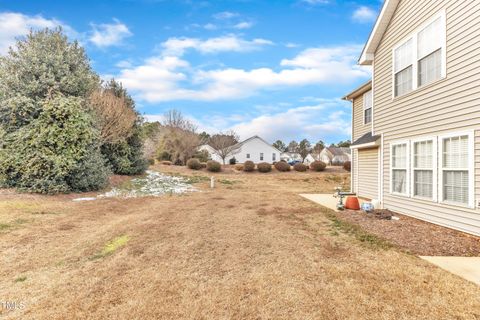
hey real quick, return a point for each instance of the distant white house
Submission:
(254, 149)
(335, 156)
(290, 156)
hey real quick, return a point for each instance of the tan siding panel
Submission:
(359, 129)
(451, 104)
(368, 173)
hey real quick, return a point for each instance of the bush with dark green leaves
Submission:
(56, 152)
(282, 166)
(194, 164)
(300, 167)
(249, 166)
(264, 167)
(318, 166)
(347, 166)
(214, 166)
(232, 161)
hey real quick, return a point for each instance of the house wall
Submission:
(254, 147)
(449, 105)
(358, 128)
(368, 173)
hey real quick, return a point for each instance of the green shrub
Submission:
(318, 166)
(89, 174)
(164, 156)
(151, 161)
(51, 153)
(233, 161)
(126, 157)
(239, 167)
(194, 164)
(214, 166)
(347, 166)
(248, 166)
(300, 167)
(202, 156)
(282, 166)
(264, 167)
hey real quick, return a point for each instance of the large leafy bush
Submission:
(57, 152)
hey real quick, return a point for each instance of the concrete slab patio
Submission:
(326, 200)
(465, 267)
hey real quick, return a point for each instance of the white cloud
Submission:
(243, 25)
(210, 26)
(170, 78)
(315, 2)
(109, 34)
(14, 25)
(364, 15)
(225, 15)
(178, 46)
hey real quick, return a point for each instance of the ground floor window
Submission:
(399, 168)
(248, 155)
(274, 156)
(439, 168)
(455, 169)
(261, 156)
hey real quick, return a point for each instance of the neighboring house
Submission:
(211, 152)
(309, 159)
(416, 125)
(254, 149)
(335, 156)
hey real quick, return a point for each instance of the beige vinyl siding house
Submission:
(426, 110)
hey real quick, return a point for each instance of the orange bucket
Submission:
(352, 203)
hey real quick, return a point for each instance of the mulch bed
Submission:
(415, 236)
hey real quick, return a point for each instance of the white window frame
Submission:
(408, 169)
(435, 156)
(415, 60)
(471, 168)
(365, 107)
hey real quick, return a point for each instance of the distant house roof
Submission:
(366, 139)
(339, 151)
(256, 137)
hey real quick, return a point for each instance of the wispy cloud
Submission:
(232, 43)
(109, 34)
(243, 25)
(14, 25)
(315, 2)
(224, 15)
(364, 14)
(171, 78)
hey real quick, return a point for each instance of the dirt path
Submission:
(250, 249)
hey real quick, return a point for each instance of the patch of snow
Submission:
(85, 199)
(153, 184)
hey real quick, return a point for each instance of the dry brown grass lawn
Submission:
(249, 249)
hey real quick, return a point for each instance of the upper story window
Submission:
(367, 107)
(420, 59)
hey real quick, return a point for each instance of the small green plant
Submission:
(4, 226)
(21, 279)
(248, 166)
(282, 166)
(194, 164)
(112, 246)
(318, 166)
(264, 167)
(300, 167)
(232, 161)
(214, 166)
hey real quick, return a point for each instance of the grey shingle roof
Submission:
(366, 138)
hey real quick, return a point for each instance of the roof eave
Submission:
(383, 20)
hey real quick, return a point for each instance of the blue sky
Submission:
(273, 68)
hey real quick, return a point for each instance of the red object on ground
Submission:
(352, 203)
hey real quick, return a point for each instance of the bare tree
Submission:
(180, 139)
(115, 116)
(225, 144)
(304, 148)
